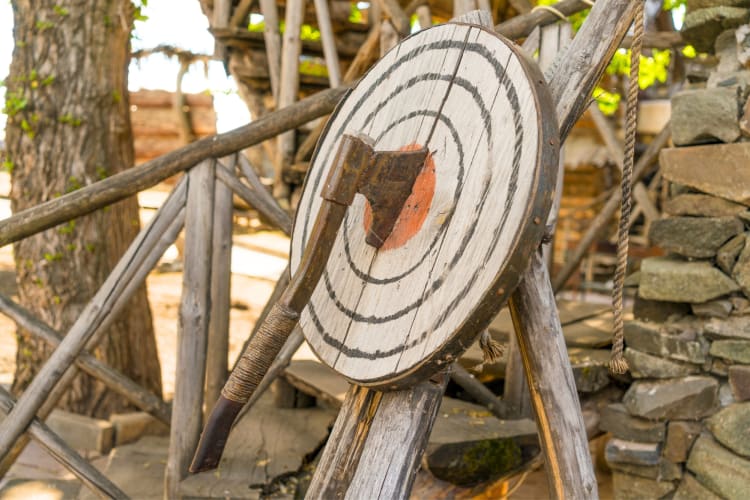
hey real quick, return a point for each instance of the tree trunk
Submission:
(68, 118)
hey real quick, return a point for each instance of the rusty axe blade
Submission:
(386, 179)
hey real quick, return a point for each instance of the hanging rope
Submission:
(617, 362)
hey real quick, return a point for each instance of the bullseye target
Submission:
(390, 317)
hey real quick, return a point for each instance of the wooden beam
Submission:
(329, 43)
(272, 39)
(187, 408)
(377, 442)
(112, 189)
(239, 16)
(553, 393)
(256, 199)
(477, 390)
(65, 455)
(110, 377)
(521, 26)
(288, 89)
(217, 368)
(392, 11)
(129, 274)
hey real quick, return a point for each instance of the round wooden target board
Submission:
(392, 317)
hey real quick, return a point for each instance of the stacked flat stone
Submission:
(682, 429)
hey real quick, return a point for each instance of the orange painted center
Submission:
(415, 209)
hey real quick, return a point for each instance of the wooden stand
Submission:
(538, 333)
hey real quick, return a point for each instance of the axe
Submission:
(386, 179)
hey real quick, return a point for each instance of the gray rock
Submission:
(719, 367)
(703, 26)
(741, 270)
(695, 237)
(656, 310)
(632, 280)
(726, 398)
(731, 427)
(649, 339)
(643, 365)
(630, 487)
(590, 368)
(719, 308)
(691, 489)
(689, 397)
(632, 452)
(745, 118)
(733, 350)
(720, 470)
(740, 305)
(705, 115)
(702, 205)
(616, 420)
(739, 381)
(662, 471)
(674, 280)
(680, 438)
(710, 169)
(732, 328)
(742, 37)
(725, 48)
(726, 256)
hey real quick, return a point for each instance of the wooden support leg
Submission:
(68, 457)
(377, 442)
(111, 298)
(553, 391)
(187, 410)
(217, 367)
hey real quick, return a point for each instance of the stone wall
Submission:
(682, 429)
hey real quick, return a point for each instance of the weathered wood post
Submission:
(217, 362)
(192, 335)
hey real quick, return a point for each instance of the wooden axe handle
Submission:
(244, 379)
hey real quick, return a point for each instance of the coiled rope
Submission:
(617, 362)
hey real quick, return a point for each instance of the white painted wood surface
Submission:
(394, 308)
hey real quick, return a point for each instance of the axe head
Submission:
(385, 178)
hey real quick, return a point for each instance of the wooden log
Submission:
(329, 43)
(110, 377)
(239, 16)
(187, 408)
(220, 19)
(217, 368)
(272, 39)
(288, 89)
(388, 36)
(131, 181)
(49, 405)
(477, 390)
(377, 442)
(262, 201)
(424, 16)
(598, 226)
(521, 26)
(113, 295)
(65, 455)
(392, 11)
(366, 57)
(522, 6)
(586, 58)
(282, 216)
(553, 393)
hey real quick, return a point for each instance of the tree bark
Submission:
(69, 126)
